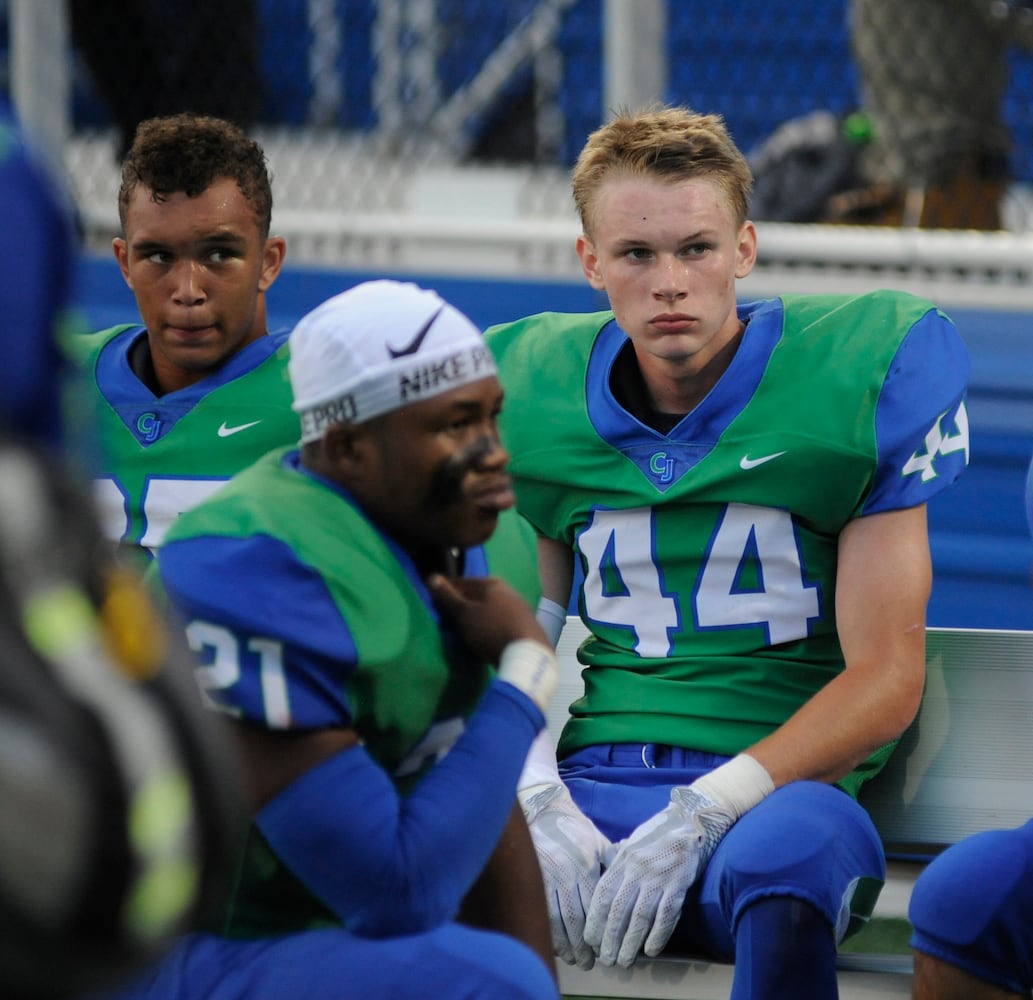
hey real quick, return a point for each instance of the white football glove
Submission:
(644, 888)
(571, 852)
(640, 897)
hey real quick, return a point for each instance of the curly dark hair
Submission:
(189, 153)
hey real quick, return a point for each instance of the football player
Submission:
(199, 388)
(742, 490)
(338, 600)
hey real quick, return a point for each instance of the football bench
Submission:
(964, 765)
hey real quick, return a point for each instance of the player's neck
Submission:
(676, 389)
(142, 365)
(164, 378)
(437, 559)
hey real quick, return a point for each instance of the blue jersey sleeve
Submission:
(271, 643)
(388, 865)
(921, 423)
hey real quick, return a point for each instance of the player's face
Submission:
(440, 469)
(668, 253)
(198, 268)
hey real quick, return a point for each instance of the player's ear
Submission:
(590, 262)
(348, 450)
(746, 250)
(272, 261)
(121, 251)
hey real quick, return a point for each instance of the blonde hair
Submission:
(672, 143)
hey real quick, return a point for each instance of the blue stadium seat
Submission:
(284, 42)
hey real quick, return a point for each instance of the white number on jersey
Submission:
(761, 538)
(163, 501)
(624, 581)
(937, 442)
(224, 670)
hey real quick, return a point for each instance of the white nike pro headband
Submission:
(377, 347)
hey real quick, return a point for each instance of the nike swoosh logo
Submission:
(225, 432)
(751, 463)
(414, 345)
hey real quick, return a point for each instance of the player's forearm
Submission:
(882, 587)
(387, 865)
(843, 724)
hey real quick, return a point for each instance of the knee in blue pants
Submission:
(807, 841)
(973, 907)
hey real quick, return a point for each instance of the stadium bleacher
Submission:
(758, 62)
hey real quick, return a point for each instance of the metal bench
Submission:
(964, 765)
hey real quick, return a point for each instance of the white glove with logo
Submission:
(640, 897)
(571, 852)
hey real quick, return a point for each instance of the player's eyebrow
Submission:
(693, 237)
(223, 238)
(464, 407)
(472, 408)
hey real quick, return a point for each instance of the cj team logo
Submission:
(939, 442)
(662, 467)
(148, 426)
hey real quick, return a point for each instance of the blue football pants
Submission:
(451, 962)
(973, 907)
(791, 879)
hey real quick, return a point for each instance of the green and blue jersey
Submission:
(303, 616)
(157, 456)
(709, 554)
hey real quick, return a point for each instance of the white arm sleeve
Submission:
(552, 617)
(540, 766)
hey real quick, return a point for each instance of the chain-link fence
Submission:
(854, 111)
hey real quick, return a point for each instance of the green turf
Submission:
(882, 936)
